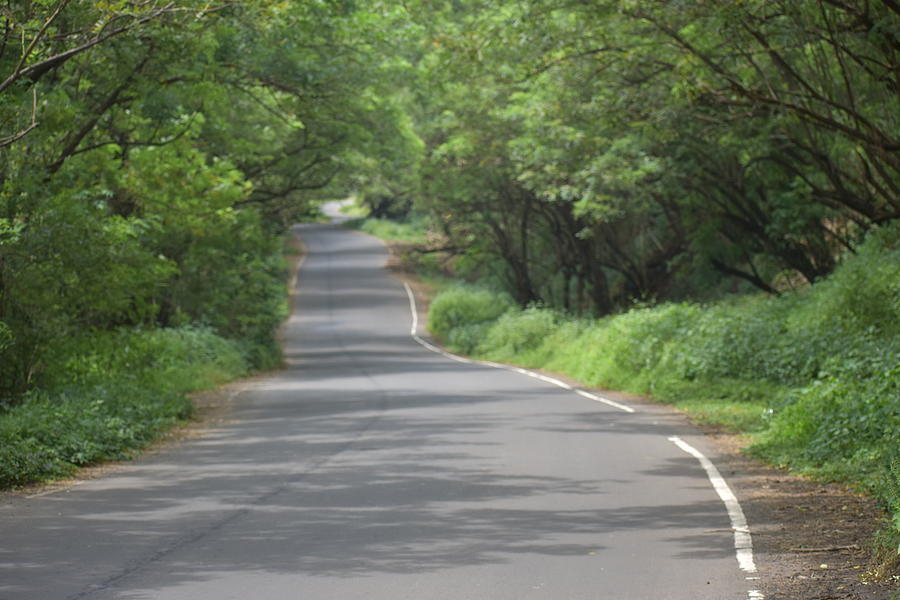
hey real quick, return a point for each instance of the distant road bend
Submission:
(373, 468)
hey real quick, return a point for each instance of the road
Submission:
(372, 467)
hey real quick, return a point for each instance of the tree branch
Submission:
(20, 66)
(18, 136)
(38, 69)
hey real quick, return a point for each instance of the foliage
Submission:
(461, 315)
(391, 230)
(152, 155)
(892, 489)
(514, 332)
(49, 436)
(182, 359)
(105, 396)
(617, 152)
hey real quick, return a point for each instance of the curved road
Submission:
(372, 468)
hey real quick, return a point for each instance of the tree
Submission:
(156, 153)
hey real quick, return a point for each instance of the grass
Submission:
(108, 395)
(412, 232)
(353, 209)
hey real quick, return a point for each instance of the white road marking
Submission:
(597, 398)
(743, 544)
(414, 332)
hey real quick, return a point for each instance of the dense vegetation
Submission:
(596, 154)
(579, 158)
(110, 393)
(152, 155)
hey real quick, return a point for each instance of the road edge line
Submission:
(743, 542)
(414, 333)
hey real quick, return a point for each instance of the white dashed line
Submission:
(597, 398)
(414, 332)
(742, 542)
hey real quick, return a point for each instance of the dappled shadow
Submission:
(369, 456)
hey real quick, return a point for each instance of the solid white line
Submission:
(743, 544)
(604, 400)
(414, 332)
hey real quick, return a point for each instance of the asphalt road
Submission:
(374, 468)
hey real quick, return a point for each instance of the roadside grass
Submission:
(413, 244)
(812, 377)
(108, 395)
(412, 232)
(105, 395)
(353, 209)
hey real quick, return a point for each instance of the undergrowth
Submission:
(96, 393)
(106, 395)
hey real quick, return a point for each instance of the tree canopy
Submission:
(584, 155)
(612, 152)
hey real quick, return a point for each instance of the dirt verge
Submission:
(812, 540)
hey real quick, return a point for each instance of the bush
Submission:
(180, 359)
(413, 231)
(892, 493)
(6, 336)
(107, 394)
(49, 435)
(519, 331)
(460, 315)
(233, 280)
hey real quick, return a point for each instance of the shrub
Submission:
(465, 307)
(413, 231)
(848, 427)
(892, 493)
(6, 336)
(48, 436)
(181, 359)
(108, 394)
(519, 331)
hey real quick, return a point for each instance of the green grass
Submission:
(352, 209)
(412, 232)
(106, 395)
